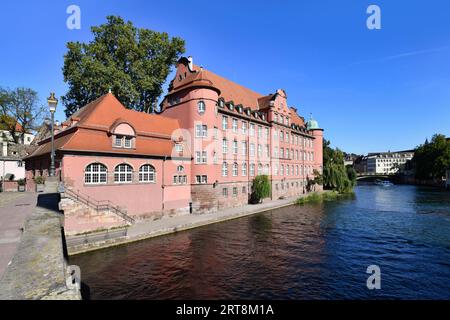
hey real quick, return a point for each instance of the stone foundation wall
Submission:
(79, 218)
(207, 199)
(290, 188)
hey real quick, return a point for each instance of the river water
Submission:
(317, 251)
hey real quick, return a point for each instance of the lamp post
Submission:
(52, 103)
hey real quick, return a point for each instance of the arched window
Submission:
(201, 107)
(146, 173)
(180, 169)
(123, 173)
(95, 173)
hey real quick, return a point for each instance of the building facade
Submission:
(12, 167)
(388, 162)
(199, 154)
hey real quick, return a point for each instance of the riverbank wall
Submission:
(38, 270)
(83, 243)
(411, 180)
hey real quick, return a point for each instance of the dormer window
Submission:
(221, 103)
(123, 141)
(124, 136)
(248, 112)
(231, 106)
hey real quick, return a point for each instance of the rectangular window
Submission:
(203, 179)
(235, 125)
(252, 149)
(244, 127)
(244, 190)
(235, 192)
(201, 157)
(259, 131)
(224, 146)
(178, 147)
(225, 192)
(224, 122)
(198, 131)
(252, 129)
(235, 147)
(259, 150)
(118, 141)
(128, 142)
(244, 169)
(244, 148)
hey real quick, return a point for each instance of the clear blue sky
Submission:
(371, 90)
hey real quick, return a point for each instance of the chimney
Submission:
(4, 149)
(191, 63)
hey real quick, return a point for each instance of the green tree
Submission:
(432, 158)
(20, 112)
(133, 62)
(261, 189)
(335, 175)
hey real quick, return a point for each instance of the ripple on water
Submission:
(310, 252)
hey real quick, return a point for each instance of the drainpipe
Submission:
(162, 183)
(271, 163)
(248, 160)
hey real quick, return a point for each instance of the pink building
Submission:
(199, 154)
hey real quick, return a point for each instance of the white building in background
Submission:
(388, 162)
(11, 165)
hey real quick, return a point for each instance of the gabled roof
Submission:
(90, 131)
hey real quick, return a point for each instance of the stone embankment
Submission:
(38, 270)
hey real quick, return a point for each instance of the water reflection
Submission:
(311, 252)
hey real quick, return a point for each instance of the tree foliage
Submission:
(432, 158)
(133, 62)
(20, 111)
(261, 188)
(335, 175)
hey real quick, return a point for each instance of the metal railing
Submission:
(102, 205)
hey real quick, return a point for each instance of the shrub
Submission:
(21, 182)
(260, 189)
(39, 180)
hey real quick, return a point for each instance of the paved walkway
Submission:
(166, 225)
(15, 207)
(194, 220)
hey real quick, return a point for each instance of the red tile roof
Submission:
(229, 90)
(91, 131)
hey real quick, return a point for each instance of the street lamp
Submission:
(52, 103)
